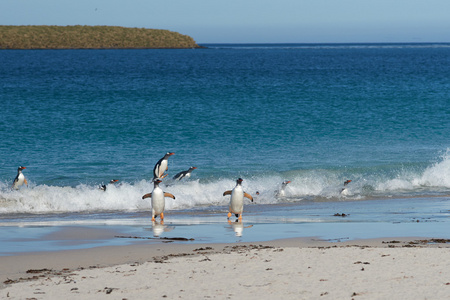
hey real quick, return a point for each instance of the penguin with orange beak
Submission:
(162, 166)
(20, 179)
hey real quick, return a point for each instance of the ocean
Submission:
(314, 114)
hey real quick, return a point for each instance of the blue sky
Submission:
(250, 21)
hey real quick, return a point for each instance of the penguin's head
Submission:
(169, 154)
(157, 181)
(192, 168)
(347, 182)
(239, 181)
(114, 180)
(21, 168)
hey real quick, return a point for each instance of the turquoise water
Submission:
(377, 114)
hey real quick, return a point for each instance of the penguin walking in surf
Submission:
(158, 200)
(103, 186)
(20, 179)
(161, 166)
(237, 199)
(184, 174)
(281, 192)
(344, 190)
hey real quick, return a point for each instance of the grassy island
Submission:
(91, 37)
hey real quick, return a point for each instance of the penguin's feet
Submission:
(162, 216)
(153, 218)
(240, 217)
(163, 176)
(229, 215)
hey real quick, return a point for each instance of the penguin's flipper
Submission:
(169, 195)
(147, 195)
(248, 196)
(227, 193)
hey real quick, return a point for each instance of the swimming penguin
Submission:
(20, 179)
(158, 201)
(103, 186)
(184, 174)
(344, 190)
(281, 192)
(237, 199)
(161, 166)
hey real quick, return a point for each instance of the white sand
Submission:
(249, 272)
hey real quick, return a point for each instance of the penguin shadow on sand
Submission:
(238, 227)
(158, 228)
(236, 206)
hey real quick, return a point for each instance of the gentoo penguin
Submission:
(158, 201)
(20, 179)
(281, 192)
(344, 190)
(161, 166)
(103, 186)
(237, 199)
(184, 174)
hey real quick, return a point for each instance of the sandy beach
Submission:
(307, 268)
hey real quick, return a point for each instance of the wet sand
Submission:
(307, 268)
(370, 250)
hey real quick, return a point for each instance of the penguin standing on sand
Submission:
(158, 200)
(184, 174)
(103, 186)
(282, 192)
(344, 190)
(237, 199)
(20, 179)
(161, 166)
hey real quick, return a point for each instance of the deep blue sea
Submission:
(314, 114)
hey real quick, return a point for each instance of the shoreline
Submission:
(23, 273)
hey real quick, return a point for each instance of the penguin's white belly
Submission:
(162, 168)
(158, 201)
(237, 201)
(20, 181)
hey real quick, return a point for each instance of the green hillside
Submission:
(90, 37)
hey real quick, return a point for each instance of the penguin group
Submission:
(236, 204)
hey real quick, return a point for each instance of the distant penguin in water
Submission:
(158, 200)
(237, 199)
(161, 166)
(184, 174)
(103, 186)
(20, 179)
(281, 192)
(344, 190)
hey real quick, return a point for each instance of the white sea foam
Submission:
(305, 184)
